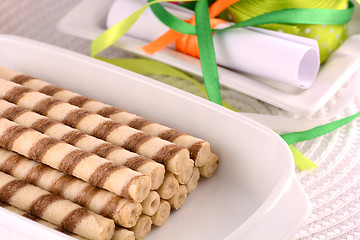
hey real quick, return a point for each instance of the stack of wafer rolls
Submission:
(94, 148)
(110, 151)
(74, 161)
(198, 148)
(171, 155)
(123, 211)
(54, 209)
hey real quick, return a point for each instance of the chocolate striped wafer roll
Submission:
(123, 211)
(169, 186)
(162, 214)
(178, 200)
(185, 176)
(110, 151)
(151, 204)
(142, 227)
(39, 220)
(192, 184)
(54, 209)
(171, 155)
(198, 148)
(74, 161)
(123, 234)
(210, 167)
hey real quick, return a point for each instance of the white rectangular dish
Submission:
(254, 194)
(87, 20)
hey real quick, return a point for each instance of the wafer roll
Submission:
(151, 204)
(142, 227)
(186, 175)
(192, 184)
(123, 211)
(54, 209)
(74, 161)
(162, 214)
(210, 167)
(178, 200)
(169, 186)
(171, 155)
(27, 118)
(39, 220)
(198, 148)
(123, 234)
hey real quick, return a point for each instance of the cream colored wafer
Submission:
(27, 118)
(210, 167)
(123, 211)
(151, 204)
(169, 186)
(186, 175)
(192, 184)
(74, 161)
(162, 214)
(142, 227)
(123, 234)
(39, 220)
(199, 149)
(171, 155)
(54, 209)
(178, 200)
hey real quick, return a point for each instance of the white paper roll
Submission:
(277, 56)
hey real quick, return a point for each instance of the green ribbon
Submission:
(286, 16)
(294, 137)
(302, 162)
(207, 51)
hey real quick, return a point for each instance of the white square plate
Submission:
(87, 20)
(253, 195)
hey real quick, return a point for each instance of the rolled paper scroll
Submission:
(210, 168)
(74, 161)
(171, 155)
(151, 203)
(198, 148)
(39, 220)
(277, 57)
(123, 211)
(27, 118)
(54, 209)
(178, 199)
(169, 186)
(142, 227)
(162, 214)
(192, 184)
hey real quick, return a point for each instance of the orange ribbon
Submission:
(188, 43)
